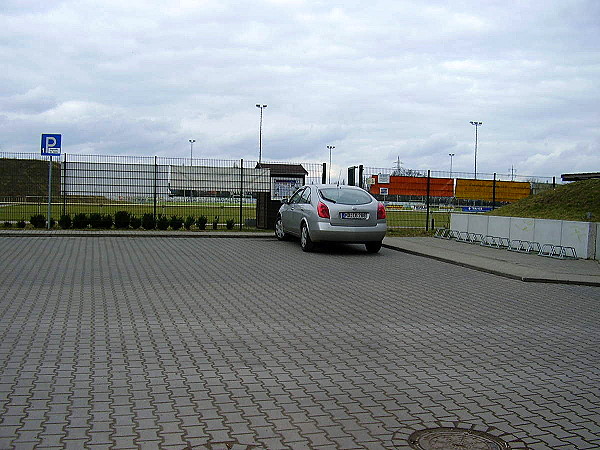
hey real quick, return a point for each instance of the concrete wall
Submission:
(461, 221)
(500, 227)
(521, 228)
(584, 237)
(478, 224)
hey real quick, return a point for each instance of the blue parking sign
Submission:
(51, 144)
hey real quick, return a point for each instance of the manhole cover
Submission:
(455, 439)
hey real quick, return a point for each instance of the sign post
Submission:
(51, 146)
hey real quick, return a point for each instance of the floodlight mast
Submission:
(261, 106)
(330, 147)
(191, 150)
(477, 125)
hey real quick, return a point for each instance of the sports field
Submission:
(225, 210)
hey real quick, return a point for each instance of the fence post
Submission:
(360, 176)
(428, 188)
(241, 191)
(324, 175)
(64, 186)
(494, 193)
(49, 219)
(553, 182)
(155, 181)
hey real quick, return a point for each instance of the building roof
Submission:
(283, 169)
(579, 176)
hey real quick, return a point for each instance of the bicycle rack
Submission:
(546, 250)
(463, 236)
(441, 233)
(488, 241)
(558, 251)
(475, 238)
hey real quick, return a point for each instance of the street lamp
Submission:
(451, 156)
(191, 149)
(260, 132)
(330, 147)
(477, 124)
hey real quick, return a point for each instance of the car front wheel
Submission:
(306, 242)
(279, 233)
(373, 247)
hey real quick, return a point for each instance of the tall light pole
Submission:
(330, 147)
(191, 149)
(451, 156)
(477, 125)
(260, 132)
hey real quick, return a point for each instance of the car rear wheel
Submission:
(373, 247)
(306, 242)
(279, 233)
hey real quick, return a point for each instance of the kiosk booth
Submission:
(285, 179)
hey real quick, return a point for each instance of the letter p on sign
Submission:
(51, 144)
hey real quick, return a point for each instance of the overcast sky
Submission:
(378, 79)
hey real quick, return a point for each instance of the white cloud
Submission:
(377, 80)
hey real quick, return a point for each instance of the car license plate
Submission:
(354, 215)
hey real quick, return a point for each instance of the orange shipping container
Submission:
(398, 185)
(506, 191)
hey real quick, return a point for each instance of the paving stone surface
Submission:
(109, 342)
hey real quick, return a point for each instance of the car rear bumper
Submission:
(323, 231)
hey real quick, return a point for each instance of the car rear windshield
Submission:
(345, 196)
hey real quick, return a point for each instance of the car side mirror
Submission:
(285, 200)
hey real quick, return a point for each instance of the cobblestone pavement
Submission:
(251, 343)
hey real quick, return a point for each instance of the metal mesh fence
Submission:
(425, 198)
(232, 193)
(224, 192)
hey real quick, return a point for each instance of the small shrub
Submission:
(96, 220)
(162, 223)
(21, 223)
(135, 222)
(52, 222)
(176, 222)
(106, 222)
(215, 222)
(148, 222)
(122, 219)
(81, 220)
(38, 221)
(230, 224)
(7, 224)
(189, 221)
(65, 221)
(201, 222)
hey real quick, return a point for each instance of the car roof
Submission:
(341, 186)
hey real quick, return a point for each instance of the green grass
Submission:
(571, 201)
(416, 219)
(224, 211)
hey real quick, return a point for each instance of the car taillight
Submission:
(380, 211)
(323, 210)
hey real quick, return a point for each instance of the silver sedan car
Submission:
(331, 213)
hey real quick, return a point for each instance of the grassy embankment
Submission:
(573, 201)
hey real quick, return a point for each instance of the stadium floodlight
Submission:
(330, 147)
(191, 149)
(260, 131)
(477, 125)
